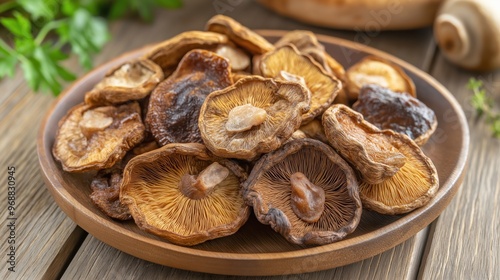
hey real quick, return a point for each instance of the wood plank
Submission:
(465, 242)
(416, 47)
(41, 229)
(109, 263)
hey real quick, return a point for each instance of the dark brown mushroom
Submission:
(130, 81)
(402, 113)
(306, 192)
(251, 117)
(175, 103)
(94, 138)
(182, 193)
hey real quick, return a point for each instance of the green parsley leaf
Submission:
(8, 60)
(40, 9)
(483, 104)
(19, 26)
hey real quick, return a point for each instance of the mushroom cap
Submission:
(175, 103)
(268, 190)
(132, 80)
(307, 43)
(239, 34)
(169, 53)
(375, 70)
(94, 138)
(106, 193)
(323, 86)
(402, 113)
(410, 188)
(283, 101)
(150, 188)
(370, 150)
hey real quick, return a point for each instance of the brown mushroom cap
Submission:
(323, 86)
(269, 189)
(169, 53)
(283, 102)
(402, 113)
(375, 70)
(94, 138)
(130, 81)
(175, 103)
(370, 150)
(239, 34)
(106, 194)
(151, 189)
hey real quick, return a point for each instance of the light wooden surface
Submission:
(461, 244)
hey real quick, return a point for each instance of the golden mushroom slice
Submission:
(239, 34)
(169, 53)
(94, 138)
(373, 152)
(175, 103)
(402, 113)
(323, 86)
(375, 70)
(183, 194)
(254, 116)
(306, 192)
(132, 80)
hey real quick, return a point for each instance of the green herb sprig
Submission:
(484, 105)
(41, 34)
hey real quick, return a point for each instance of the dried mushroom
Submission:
(323, 86)
(130, 81)
(314, 129)
(374, 70)
(94, 138)
(106, 193)
(170, 52)
(371, 151)
(239, 34)
(251, 117)
(306, 192)
(181, 193)
(399, 112)
(307, 43)
(175, 103)
(238, 59)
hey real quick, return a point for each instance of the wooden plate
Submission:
(256, 249)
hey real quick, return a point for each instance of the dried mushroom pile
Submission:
(208, 125)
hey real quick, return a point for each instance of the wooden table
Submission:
(463, 243)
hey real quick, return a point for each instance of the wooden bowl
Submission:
(359, 15)
(256, 249)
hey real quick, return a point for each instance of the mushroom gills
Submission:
(244, 117)
(198, 187)
(307, 199)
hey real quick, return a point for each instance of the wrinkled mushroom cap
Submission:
(323, 86)
(169, 53)
(399, 112)
(283, 103)
(269, 190)
(375, 70)
(367, 148)
(175, 103)
(91, 138)
(239, 34)
(411, 187)
(151, 190)
(130, 81)
(106, 194)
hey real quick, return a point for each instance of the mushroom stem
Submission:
(94, 121)
(198, 187)
(244, 117)
(308, 200)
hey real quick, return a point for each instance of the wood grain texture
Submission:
(42, 229)
(466, 237)
(109, 263)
